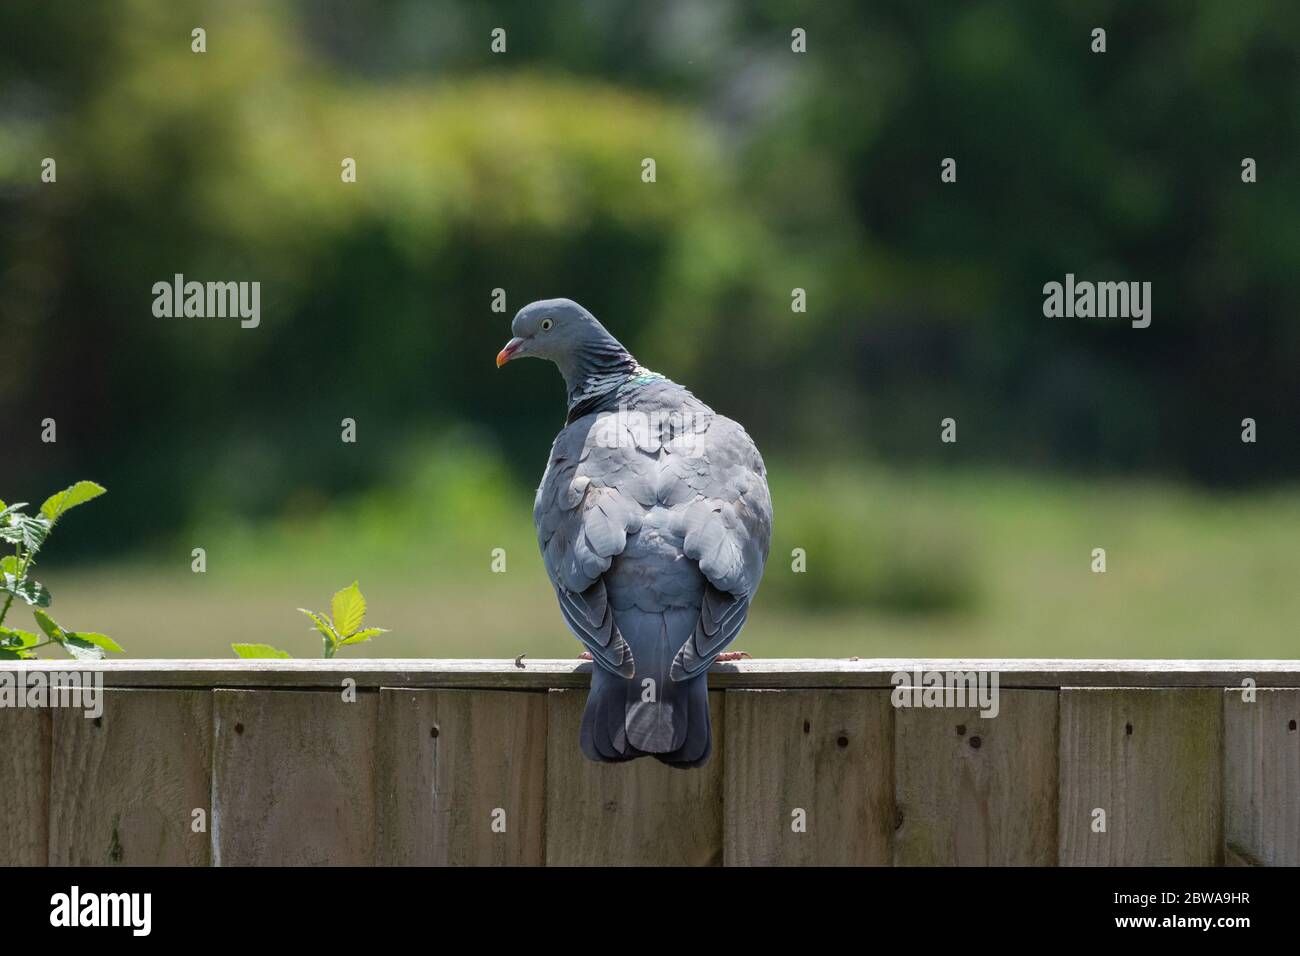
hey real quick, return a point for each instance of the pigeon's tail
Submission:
(691, 711)
(651, 714)
(604, 735)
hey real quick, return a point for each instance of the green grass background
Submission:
(899, 563)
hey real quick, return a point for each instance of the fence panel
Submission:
(293, 777)
(1261, 777)
(1151, 762)
(25, 783)
(809, 777)
(978, 791)
(125, 786)
(477, 762)
(462, 777)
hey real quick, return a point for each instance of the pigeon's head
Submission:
(558, 330)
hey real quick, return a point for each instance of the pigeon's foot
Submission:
(734, 656)
(585, 656)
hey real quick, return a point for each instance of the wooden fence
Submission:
(477, 762)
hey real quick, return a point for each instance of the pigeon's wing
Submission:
(602, 479)
(725, 520)
(593, 495)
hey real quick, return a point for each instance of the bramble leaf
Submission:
(49, 626)
(30, 532)
(322, 624)
(14, 637)
(251, 651)
(362, 636)
(99, 640)
(33, 592)
(82, 650)
(34, 531)
(349, 610)
(59, 503)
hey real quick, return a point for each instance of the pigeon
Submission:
(654, 521)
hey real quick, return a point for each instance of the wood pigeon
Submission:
(654, 522)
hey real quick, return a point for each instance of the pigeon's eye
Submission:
(546, 325)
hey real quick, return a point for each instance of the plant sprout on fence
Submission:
(28, 534)
(340, 628)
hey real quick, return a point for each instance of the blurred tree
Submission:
(776, 170)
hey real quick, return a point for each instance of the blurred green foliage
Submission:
(522, 171)
(869, 546)
(1190, 573)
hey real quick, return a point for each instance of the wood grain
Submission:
(1152, 760)
(977, 791)
(293, 778)
(641, 813)
(25, 781)
(461, 777)
(1261, 777)
(829, 754)
(124, 786)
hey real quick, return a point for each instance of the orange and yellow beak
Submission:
(507, 353)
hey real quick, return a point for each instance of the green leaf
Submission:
(33, 592)
(349, 610)
(75, 644)
(362, 636)
(20, 655)
(34, 532)
(49, 626)
(259, 651)
(59, 503)
(10, 564)
(82, 650)
(99, 640)
(322, 624)
(14, 637)
(27, 531)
